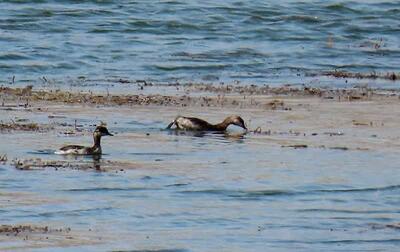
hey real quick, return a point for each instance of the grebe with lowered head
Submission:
(192, 123)
(82, 150)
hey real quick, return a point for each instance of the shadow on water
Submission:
(96, 159)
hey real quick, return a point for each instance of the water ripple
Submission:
(271, 193)
(109, 189)
(153, 35)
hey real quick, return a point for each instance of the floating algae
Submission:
(13, 126)
(95, 164)
(18, 229)
(343, 74)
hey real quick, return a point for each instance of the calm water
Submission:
(249, 41)
(205, 193)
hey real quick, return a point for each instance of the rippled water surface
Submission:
(198, 192)
(249, 41)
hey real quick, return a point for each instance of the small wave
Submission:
(341, 7)
(78, 212)
(6, 66)
(241, 193)
(84, 12)
(154, 154)
(37, 66)
(357, 241)
(22, 26)
(347, 211)
(342, 241)
(13, 56)
(58, 29)
(73, 13)
(395, 11)
(68, 65)
(96, 2)
(108, 189)
(368, 189)
(177, 185)
(142, 23)
(153, 250)
(248, 52)
(263, 193)
(302, 18)
(191, 67)
(31, 13)
(178, 25)
(101, 30)
(24, 1)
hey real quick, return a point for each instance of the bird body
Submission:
(79, 150)
(197, 124)
(82, 150)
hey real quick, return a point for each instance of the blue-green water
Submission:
(213, 41)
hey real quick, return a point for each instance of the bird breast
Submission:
(71, 151)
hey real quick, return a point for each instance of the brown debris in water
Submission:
(339, 148)
(219, 99)
(95, 164)
(296, 146)
(18, 229)
(277, 105)
(90, 98)
(339, 133)
(3, 158)
(34, 164)
(394, 225)
(383, 226)
(259, 131)
(358, 123)
(343, 74)
(13, 126)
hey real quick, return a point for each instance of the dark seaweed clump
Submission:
(14, 126)
(343, 74)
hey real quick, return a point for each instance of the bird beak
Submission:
(109, 134)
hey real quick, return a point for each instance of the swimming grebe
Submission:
(82, 150)
(192, 123)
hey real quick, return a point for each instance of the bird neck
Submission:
(97, 140)
(223, 125)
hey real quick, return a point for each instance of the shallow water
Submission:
(248, 41)
(209, 192)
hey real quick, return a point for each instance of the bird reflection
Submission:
(226, 135)
(95, 160)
